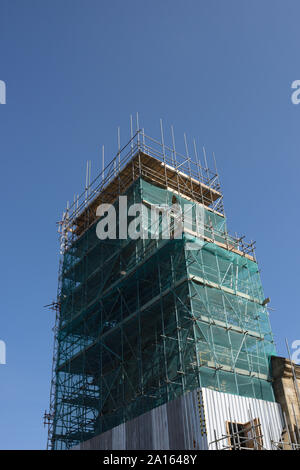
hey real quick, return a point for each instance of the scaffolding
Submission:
(142, 321)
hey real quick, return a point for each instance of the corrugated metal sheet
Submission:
(119, 437)
(223, 407)
(192, 421)
(159, 426)
(139, 432)
(175, 426)
(194, 427)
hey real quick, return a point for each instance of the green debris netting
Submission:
(144, 321)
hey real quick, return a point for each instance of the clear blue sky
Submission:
(75, 70)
